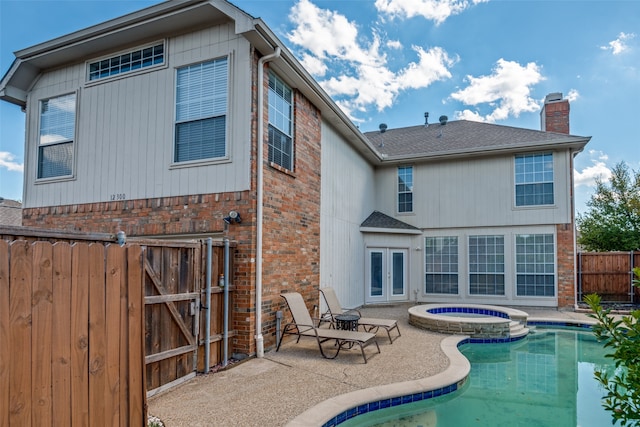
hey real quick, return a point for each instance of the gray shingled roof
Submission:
(380, 220)
(10, 212)
(463, 136)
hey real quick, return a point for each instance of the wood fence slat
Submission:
(113, 290)
(136, 340)
(97, 336)
(5, 334)
(42, 317)
(20, 327)
(80, 334)
(61, 335)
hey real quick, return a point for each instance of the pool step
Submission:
(517, 329)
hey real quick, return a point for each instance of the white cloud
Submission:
(433, 10)
(394, 44)
(619, 45)
(359, 74)
(573, 95)
(8, 161)
(313, 65)
(598, 170)
(329, 34)
(507, 91)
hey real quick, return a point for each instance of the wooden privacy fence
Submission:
(71, 334)
(609, 274)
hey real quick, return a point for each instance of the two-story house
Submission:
(161, 122)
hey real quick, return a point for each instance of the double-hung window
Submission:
(441, 265)
(534, 179)
(486, 265)
(201, 111)
(535, 267)
(405, 189)
(57, 135)
(280, 123)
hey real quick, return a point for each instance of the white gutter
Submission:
(260, 196)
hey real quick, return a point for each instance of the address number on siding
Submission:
(119, 196)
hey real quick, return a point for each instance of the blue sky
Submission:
(389, 61)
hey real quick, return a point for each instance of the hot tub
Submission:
(487, 323)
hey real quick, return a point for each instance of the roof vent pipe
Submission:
(443, 120)
(382, 127)
(426, 119)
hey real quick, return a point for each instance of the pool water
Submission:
(545, 380)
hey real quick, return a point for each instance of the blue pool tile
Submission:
(417, 397)
(363, 409)
(396, 401)
(374, 406)
(386, 403)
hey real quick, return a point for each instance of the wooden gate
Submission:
(172, 295)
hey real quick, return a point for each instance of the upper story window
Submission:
(127, 62)
(201, 111)
(280, 123)
(57, 135)
(405, 189)
(534, 179)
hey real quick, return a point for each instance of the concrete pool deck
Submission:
(297, 387)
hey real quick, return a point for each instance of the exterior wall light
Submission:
(234, 216)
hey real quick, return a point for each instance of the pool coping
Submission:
(338, 409)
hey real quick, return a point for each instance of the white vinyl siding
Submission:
(405, 189)
(201, 108)
(57, 136)
(486, 265)
(280, 123)
(534, 179)
(441, 265)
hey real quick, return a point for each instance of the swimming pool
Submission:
(544, 380)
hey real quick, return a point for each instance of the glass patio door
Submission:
(386, 275)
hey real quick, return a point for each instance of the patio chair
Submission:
(369, 324)
(303, 325)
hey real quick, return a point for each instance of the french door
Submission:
(386, 275)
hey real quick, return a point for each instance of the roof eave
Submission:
(390, 230)
(575, 143)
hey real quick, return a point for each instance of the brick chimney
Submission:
(554, 116)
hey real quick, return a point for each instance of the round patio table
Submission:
(347, 322)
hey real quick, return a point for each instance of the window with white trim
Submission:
(57, 135)
(441, 265)
(486, 265)
(405, 189)
(145, 57)
(535, 265)
(534, 179)
(201, 111)
(280, 122)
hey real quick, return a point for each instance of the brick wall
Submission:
(291, 250)
(566, 276)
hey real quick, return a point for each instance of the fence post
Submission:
(633, 291)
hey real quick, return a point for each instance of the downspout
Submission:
(260, 197)
(207, 328)
(574, 232)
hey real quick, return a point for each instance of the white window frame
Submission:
(218, 99)
(279, 120)
(405, 188)
(487, 260)
(534, 171)
(434, 263)
(66, 135)
(536, 263)
(112, 75)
